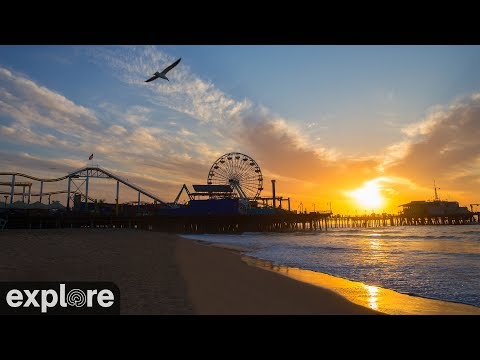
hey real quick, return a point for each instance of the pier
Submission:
(217, 224)
(250, 213)
(174, 224)
(371, 221)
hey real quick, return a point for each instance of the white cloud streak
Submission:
(27, 102)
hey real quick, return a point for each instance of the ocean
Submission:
(437, 262)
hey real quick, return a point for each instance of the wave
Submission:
(474, 232)
(403, 237)
(433, 262)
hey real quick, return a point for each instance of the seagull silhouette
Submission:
(162, 74)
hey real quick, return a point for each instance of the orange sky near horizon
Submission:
(360, 129)
(314, 180)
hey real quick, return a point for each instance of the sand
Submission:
(219, 282)
(141, 263)
(159, 273)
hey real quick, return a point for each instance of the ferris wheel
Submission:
(239, 171)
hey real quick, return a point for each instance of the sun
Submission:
(368, 196)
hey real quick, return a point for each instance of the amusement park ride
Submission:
(233, 176)
(233, 188)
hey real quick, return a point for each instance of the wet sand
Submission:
(374, 297)
(219, 282)
(161, 274)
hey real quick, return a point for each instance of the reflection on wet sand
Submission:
(374, 297)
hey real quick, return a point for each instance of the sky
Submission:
(363, 128)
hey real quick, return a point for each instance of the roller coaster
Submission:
(77, 184)
(234, 176)
(234, 179)
(49, 194)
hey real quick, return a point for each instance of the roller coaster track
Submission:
(91, 171)
(35, 178)
(46, 194)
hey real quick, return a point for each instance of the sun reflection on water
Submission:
(372, 296)
(374, 244)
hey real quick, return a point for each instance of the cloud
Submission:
(186, 92)
(32, 164)
(286, 152)
(203, 122)
(175, 149)
(233, 125)
(395, 152)
(137, 114)
(37, 116)
(29, 103)
(444, 145)
(185, 132)
(118, 130)
(129, 116)
(25, 134)
(425, 126)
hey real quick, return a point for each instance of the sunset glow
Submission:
(356, 130)
(353, 172)
(368, 196)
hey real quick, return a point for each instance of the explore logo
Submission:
(59, 298)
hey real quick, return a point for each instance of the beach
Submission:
(142, 264)
(219, 282)
(395, 270)
(159, 273)
(165, 274)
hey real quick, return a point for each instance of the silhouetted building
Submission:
(433, 208)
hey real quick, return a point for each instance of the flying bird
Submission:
(164, 72)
